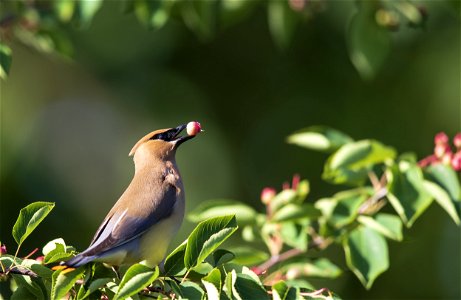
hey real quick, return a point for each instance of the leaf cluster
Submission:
(274, 262)
(41, 24)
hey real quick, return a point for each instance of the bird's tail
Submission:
(77, 261)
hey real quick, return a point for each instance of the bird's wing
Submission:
(120, 227)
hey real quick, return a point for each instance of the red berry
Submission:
(193, 128)
(441, 138)
(267, 194)
(3, 249)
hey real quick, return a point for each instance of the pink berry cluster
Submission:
(268, 193)
(443, 152)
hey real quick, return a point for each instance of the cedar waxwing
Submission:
(142, 223)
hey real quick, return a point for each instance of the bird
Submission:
(142, 223)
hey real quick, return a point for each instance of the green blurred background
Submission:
(67, 126)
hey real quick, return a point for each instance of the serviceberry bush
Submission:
(290, 227)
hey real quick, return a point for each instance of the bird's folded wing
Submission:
(121, 227)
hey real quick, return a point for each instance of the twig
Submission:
(20, 271)
(318, 294)
(318, 242)
(374, 203)
(262, 268)
(31, 253)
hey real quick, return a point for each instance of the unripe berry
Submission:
(387, 19)
(193, 128)
(457, 140)
(267, 195)
(3, 249)
(447, 158)
(293, 273)
(456, 161)
(441, 138)
(441, 149)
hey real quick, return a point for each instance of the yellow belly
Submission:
(154, 243)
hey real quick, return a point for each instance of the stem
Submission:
(373, 204)
(317, 294)
(185, 276)
(31, 253)
(262, 268)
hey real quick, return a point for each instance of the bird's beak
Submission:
(176, 138)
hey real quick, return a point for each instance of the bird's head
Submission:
(162, 143)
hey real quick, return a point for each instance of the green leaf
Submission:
(369, 43)
(57, 254)
(280, 291)
(282, 22)
(366, 254)
(212, 283)
(446, 177)
(407, 193)
(174, 262)
(37, 268)
(292, 212)
(191, 290)
(29, 283)
(347, 207)
(52, 245)
(294, 234)
(29, 218)
(283, 198)
(207, 237)
(249, 287)
(64, 9)
(244, 285)
(23, 294)
(5, 60)
(87, 10)
(95, 285)
(245, 255)
(215, 208)
(319, 138)
(221, 256)
(63, 281)
(352, 162)
(136, 278)
(229, 284)
(175, 288)
(8, 260)
(442, 198)
(299, 283)
(388, 225)
(302, 267)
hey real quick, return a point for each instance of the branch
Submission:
(318, 243)
(19, 271)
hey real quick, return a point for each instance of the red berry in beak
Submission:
(193, 128)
